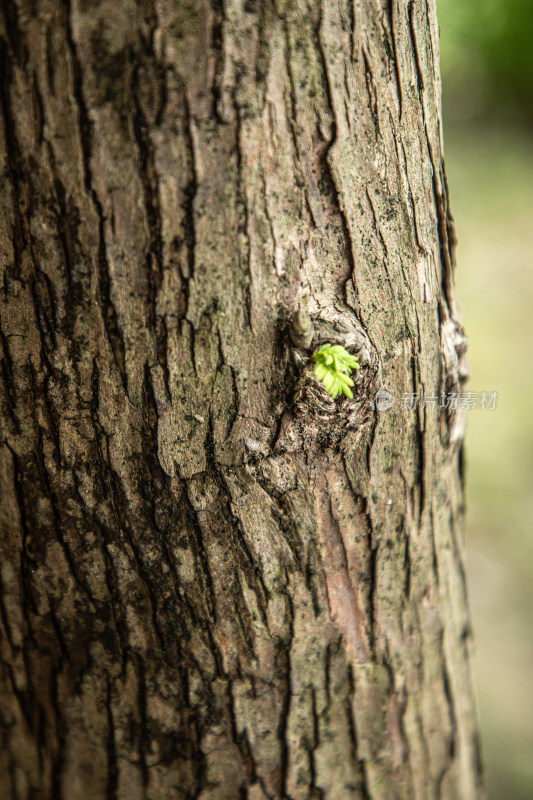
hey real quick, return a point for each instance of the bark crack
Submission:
(109, 313)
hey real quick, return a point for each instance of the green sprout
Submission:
(333, 367)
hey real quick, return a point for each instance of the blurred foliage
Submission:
(486, 58)
(490, 171)
(487, 75)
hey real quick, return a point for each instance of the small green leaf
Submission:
(333, 367)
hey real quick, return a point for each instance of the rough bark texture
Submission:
(216, 582)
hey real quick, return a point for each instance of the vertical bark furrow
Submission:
(85, 132)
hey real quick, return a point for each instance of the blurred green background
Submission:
(487, 72)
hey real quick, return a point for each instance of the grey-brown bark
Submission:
(216, 582)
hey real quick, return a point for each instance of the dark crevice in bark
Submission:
(348, 705)
(142, 733)
(292, 118)
(64, 654)
(450, 701)
(61, 733)
(383, 243)
(267, 215)
(410, 198)
(371, 92)
(204, 573)
(234, 409)
(407, 566)
(112, 766)
(158, 65)
(242, 615)
(283, 668)
(443, 229)
(154, 252)
(461, 466)
(434, 557)
(67, 219)
(264, 16)
(14, 163)
(419, 429)
(395, 60)
(390, 669)
(247, 562)
(328, 177)
(241, 740)
(457, 555)
(51, 418)
(281, 508)
(159, 505)
(189, 326)
(3, 616)
(217, 48)
(6, 370)
(353, 28)
(59, 522)
(416, 54)
(451, 237)
(25, 700)
(199, 766)
(110, 317)
(312, 571)
(50, 61)
(44, 318)
(28, 562)
(162, 352)
(370, 445)
(39, 107)
(241, 194)
(85, 125)
(328, 655)
(373, 548)
(315, 792)
(150, 574)
(109, 313)
(189, 198)
(16, 37)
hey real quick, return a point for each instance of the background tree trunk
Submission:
(216, 582)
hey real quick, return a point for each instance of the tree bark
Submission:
(216, 581)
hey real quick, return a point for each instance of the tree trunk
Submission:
(217, 582)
